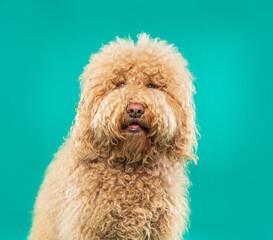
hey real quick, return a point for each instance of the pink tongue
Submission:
(134, 126)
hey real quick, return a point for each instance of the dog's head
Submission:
(136, 103)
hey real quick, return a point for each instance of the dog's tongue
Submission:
(134, 127)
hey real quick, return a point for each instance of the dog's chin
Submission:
(136, 144)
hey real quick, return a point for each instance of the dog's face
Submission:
(135, 114)
(137, 103)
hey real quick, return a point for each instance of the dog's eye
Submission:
(150, 85)
(120, 85)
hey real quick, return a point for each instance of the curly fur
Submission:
(107, 184)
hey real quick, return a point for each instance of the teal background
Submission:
(228, 44)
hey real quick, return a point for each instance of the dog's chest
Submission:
(115, 204)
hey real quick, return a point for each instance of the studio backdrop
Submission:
(228, 44)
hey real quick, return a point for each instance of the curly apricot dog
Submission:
(121, 173)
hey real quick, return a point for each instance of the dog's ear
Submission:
(184, 144)
(81, 132)
(93, 90)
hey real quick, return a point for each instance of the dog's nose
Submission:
(135, 110)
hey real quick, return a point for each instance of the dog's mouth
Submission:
(135, 126)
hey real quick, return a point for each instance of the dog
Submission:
(122, 171)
